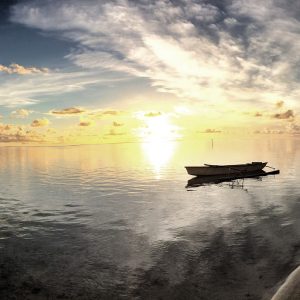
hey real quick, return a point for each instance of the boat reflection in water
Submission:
(215, 179)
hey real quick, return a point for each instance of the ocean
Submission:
(118, 221)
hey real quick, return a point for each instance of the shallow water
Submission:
(117, 221)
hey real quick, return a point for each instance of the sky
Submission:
(96, 71)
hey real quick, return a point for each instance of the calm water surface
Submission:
(117, 222)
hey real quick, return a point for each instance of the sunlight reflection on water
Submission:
(159, 153)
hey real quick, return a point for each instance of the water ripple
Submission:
(84, 221)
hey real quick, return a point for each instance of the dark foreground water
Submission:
(116, 222)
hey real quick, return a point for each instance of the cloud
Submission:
(209, 130)
(84, 123)
(28, 90)
(258, 114)
(110, 112)
(279, 104)
(116, 124)
(293, 128)
(20, 113)
(21, 70)
(68, 111)
(40, 123)
(152, 114)
(220, 51)
(113, 132)
(99, 114)
(6, 127)
(10, 133)
(288, 115)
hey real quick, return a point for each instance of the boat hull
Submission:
(225, 170)
(215, 179)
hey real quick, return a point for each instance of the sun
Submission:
(158, 128)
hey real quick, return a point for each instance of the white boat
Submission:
(210, 170)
